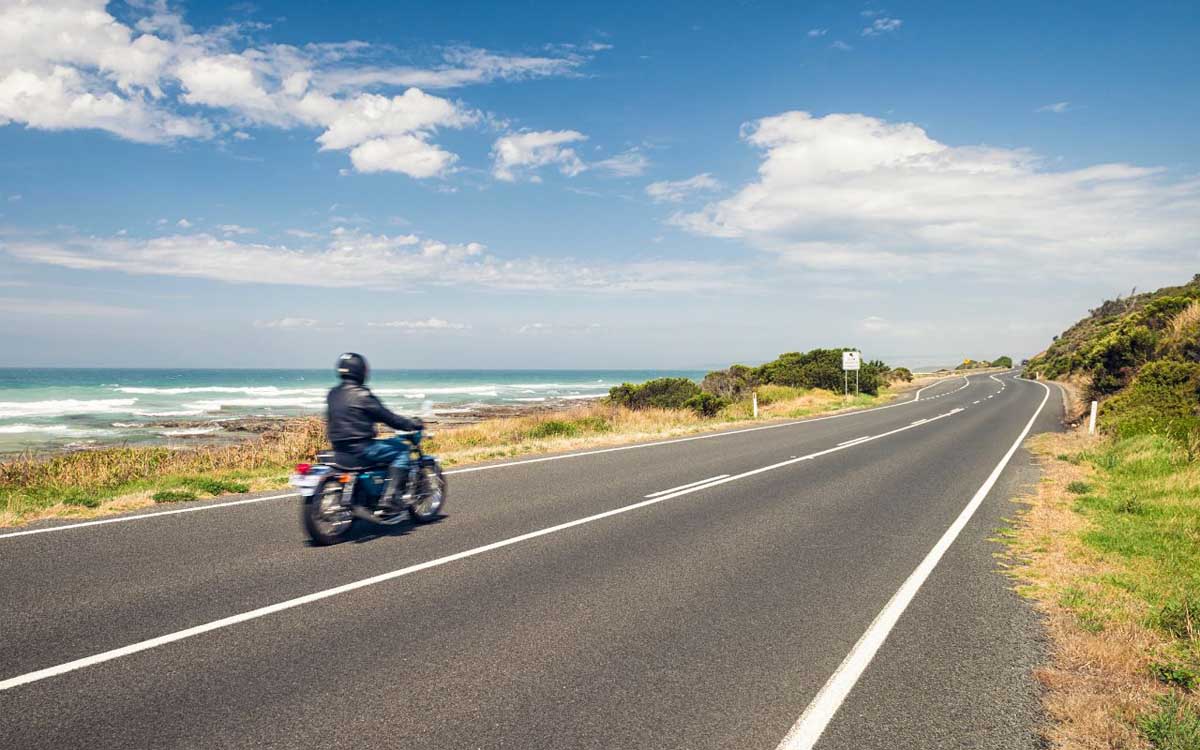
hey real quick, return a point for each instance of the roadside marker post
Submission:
(1092, 420)
(756, 404)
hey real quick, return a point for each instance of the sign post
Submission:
(851, 361)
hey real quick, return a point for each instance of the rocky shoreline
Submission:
(187, 433)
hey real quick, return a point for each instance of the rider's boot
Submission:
(395, 488)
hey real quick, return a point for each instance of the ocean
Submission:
(76, 408)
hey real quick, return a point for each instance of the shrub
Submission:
(552, 428)
(1004, 361)
(901, 373)
(81, 499)
(215, 486)
(733, 383)
(173, 496)
(661, 393)
(818, 368)
(1163, 399)
(706, 404)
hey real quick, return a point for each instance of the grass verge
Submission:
(1109, 549)
(106, 480)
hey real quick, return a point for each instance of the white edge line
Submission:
(487, 467)
(253, 614)
(685, 486)
(140, 516)
(807, 730)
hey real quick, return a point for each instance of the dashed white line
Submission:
(807, 730)
(855, 440)
(316, 596)
(685, 486)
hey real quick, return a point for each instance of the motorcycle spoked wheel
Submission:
(326, 520)
(430, 497)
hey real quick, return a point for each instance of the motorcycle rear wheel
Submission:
(325, 519)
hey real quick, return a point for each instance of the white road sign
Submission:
(851, 360)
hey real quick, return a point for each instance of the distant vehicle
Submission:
(1024, 362)
(336, 491)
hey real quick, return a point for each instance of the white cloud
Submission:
(882, 25)
(183, 224)
(840, 46)
(676, 191)
(848, 191)
(462, 66)
(874, 324)
(519, 153)
(287, 323)
(1057, 108)
(354, 259)
(236, 229)
(71, 65)
(14, 198)
(629, 163)
(303, 234)
(429, 324)
(814, 33)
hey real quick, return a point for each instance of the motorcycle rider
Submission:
(352, 414)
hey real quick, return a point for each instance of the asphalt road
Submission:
(712, 616)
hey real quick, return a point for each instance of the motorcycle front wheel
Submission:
(325, 519)
(430, 497)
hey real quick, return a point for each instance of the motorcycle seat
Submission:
(347, 462)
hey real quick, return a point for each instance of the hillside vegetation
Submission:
(728, 391)
(1112, 539)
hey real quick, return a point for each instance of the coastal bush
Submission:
(1004, 361)
(1163, 399)
(706, 404)
(173, 496)
(552, 428)
(660, 393)
(817, 368)
(733, 383)
(901, 374)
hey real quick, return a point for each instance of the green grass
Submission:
(1144, 506)
(1172, 726)
(173, 496)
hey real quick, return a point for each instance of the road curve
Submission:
(614, 599)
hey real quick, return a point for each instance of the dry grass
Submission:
(91, 483)
(1185, 322)
(1099, 681)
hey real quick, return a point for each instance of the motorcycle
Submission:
(336, 491)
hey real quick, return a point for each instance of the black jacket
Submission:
(353, 413)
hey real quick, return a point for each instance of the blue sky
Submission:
(573, 185)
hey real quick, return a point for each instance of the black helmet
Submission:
(352, 367)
